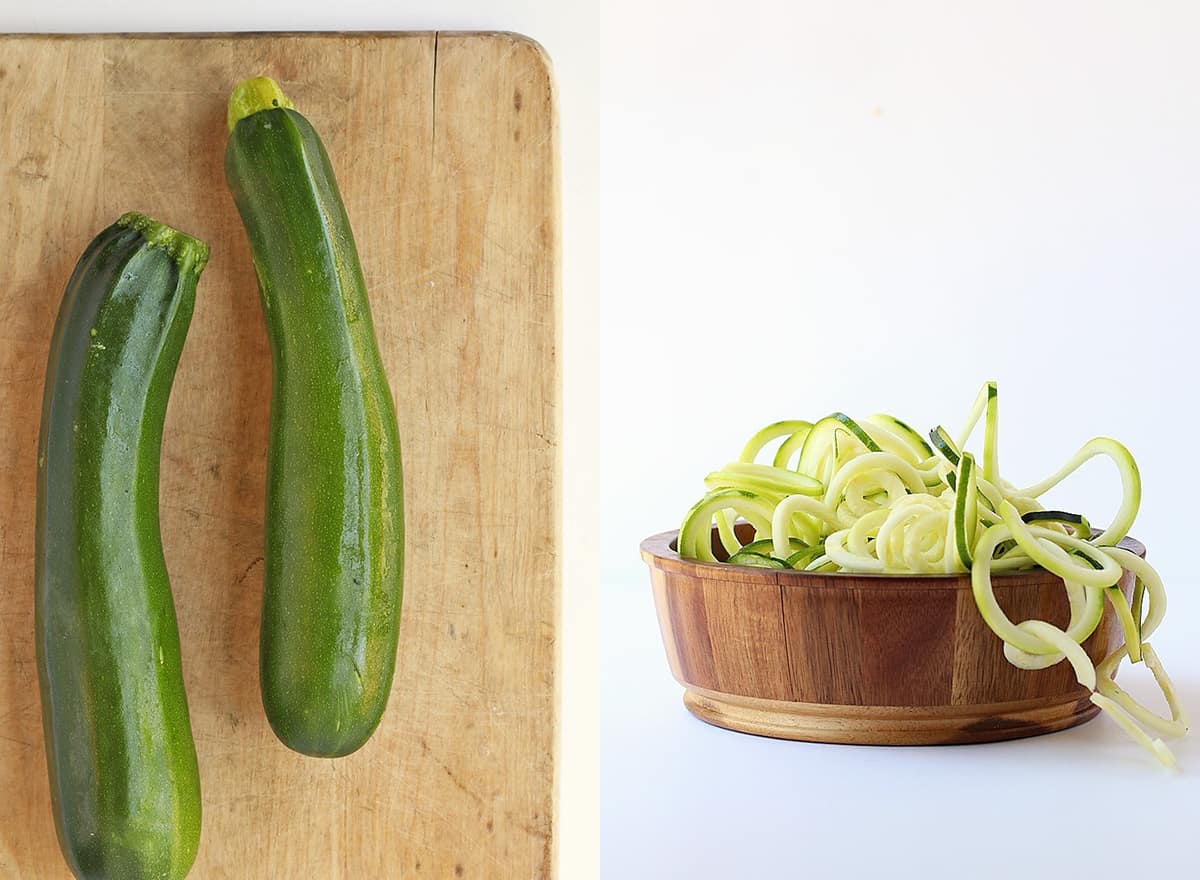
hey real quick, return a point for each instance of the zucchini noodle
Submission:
(872, 496)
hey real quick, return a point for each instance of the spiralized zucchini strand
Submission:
(789, 429)
(782, 519)
(872, 496)
(976, 411)
(1131, 484)
(726, 533)
(1156, 747)
(1177, 726)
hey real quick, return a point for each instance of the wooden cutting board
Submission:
(445, 147)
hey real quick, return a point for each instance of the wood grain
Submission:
(445, 146)
(862, 658)
(886, 725)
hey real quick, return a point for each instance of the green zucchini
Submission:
(767, 547)
(816, 459)
(123, 777)
(334, 515)
(944, 444)
(756, 560)
(966, 509)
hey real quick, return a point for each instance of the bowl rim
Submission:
(656, 551)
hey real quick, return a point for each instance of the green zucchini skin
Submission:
(333, 560)
(124, 782)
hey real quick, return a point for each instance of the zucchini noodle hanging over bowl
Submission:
(872, 496)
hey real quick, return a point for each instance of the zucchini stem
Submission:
(190, 254)
(255, 94)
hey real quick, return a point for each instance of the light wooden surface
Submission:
(890, 660)
(445, 147)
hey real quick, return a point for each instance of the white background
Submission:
(570, 32)
(810, 207)
(877, 206)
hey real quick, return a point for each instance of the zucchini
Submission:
(789, 447)
(804, 556)
(943, 443)
(767, 547)
(819, 456)
(991, 470)
(966, 509)
(763, 478)
(920, 449)
(695, 535)
(334, 512)
(791, 430)
(124, 783)
(756, 560)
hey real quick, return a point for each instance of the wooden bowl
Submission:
(869, 659)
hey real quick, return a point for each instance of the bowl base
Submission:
(887, 725)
